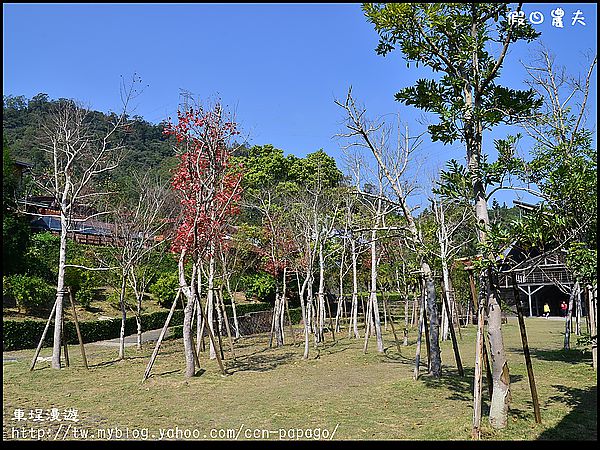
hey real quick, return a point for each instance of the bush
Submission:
(21, 334)
(165, 289)
(260, 286)
(84, 297)
(29, 292)
(114, 299)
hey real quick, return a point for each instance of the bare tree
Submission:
(78, 157)
(393, 162)
(138, 222)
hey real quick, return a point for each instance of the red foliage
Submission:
(207, 184)
(281, 248)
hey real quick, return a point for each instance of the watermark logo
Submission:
(537, 18)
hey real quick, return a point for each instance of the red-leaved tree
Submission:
(208, 187)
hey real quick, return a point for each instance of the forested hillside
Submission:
(22, 120)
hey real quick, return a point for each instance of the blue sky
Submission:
(278, 66)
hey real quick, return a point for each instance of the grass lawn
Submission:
(341, 389)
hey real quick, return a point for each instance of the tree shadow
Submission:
(394, 357)
(571, 356)
(114, 361)
(581, 423)
(259, 362)
(461, 387)
(169, 372)
(104, 363)
(331, 348)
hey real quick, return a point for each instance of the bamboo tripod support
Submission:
(532, 387)
(79, 337)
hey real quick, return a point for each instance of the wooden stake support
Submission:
(39, 347)
(81, 347)
(161, 337)
(391, 323)
(453, 336)
(532, 388)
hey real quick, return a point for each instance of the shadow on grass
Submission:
(582, 422)
(461, 387)
(572, 356)
(169, 372)
(331, 348)
(392, 356)
(259, 362)
(115, 361)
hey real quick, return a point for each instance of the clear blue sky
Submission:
(279, 66)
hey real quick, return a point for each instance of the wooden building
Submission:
(541, 278)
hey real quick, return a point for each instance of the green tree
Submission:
(460, 41)
(15, 227)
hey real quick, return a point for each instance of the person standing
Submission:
(563, 308)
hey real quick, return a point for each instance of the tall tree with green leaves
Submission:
(466, 43)
(15, 227)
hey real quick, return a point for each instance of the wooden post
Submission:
(391, 322)
(273, 319)
(368, 320)
(81, 347)
(453, 336)
(161, 337)
(39, 347)
(326, 299)
(486, 360)
(287, 308)
(226, 319)
(473, 294)
(419, 338)
(479, 353)
(593, 322)
(427, 343)
(64, 340)
(212, 339)
(532, 388)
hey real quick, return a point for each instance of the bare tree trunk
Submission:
(446, 289)
(200, 323)
(354, 326)
(190, 293)
(210, 302)
(305, 312)
(373, 295)
(568, 318)
(500, 373)
(60, 290)
(123, 314)
(321, 294)
(434, 327)
(138, 319)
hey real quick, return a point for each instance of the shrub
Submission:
(260, 286)
(114, 299)
(165, 289)
(29, 292)
(21, 334)
(84, 297)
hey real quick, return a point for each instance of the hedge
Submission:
(18, 335)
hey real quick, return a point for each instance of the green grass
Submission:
(366, 396)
